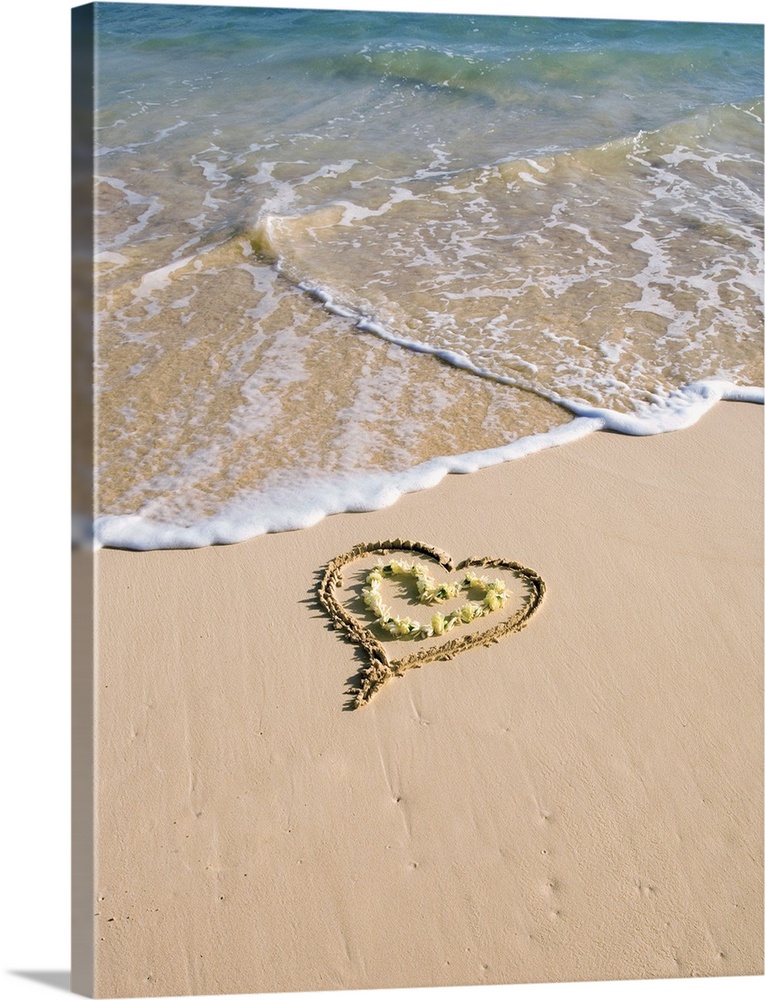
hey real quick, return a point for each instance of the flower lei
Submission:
(430, 592)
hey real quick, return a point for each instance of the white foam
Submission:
(672, 411)
(355, 213)
(537, 166)
(666, 412)
(159, 278)
(611, 352)
(526, 176)
(304, 500)
(109, 257)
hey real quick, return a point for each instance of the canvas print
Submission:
(418, 491)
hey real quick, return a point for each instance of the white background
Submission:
(34, 368)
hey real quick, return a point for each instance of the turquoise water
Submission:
(341, 254)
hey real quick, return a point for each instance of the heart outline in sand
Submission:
(381, 667)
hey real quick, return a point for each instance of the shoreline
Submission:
(344, 493)
(580, 801)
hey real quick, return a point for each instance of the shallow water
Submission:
(341, 254)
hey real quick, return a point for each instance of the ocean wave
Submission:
(604, 277)
(302, 501)
(334, 266)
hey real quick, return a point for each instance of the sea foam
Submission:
(304, 502)
(444, 243)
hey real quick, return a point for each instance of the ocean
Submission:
(342, 254)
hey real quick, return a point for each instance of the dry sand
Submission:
(581, 801)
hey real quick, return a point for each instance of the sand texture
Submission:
(580, 800)
(383, 665)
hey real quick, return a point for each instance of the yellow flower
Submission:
(406, 626)
(470, 611)
(493, 601)
(399, 567)
(430, 592)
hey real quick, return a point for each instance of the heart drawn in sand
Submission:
(381, 665)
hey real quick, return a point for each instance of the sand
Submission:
(580, 801)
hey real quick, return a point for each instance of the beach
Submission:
(581, 800)
(302, 307)
(426, 520)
